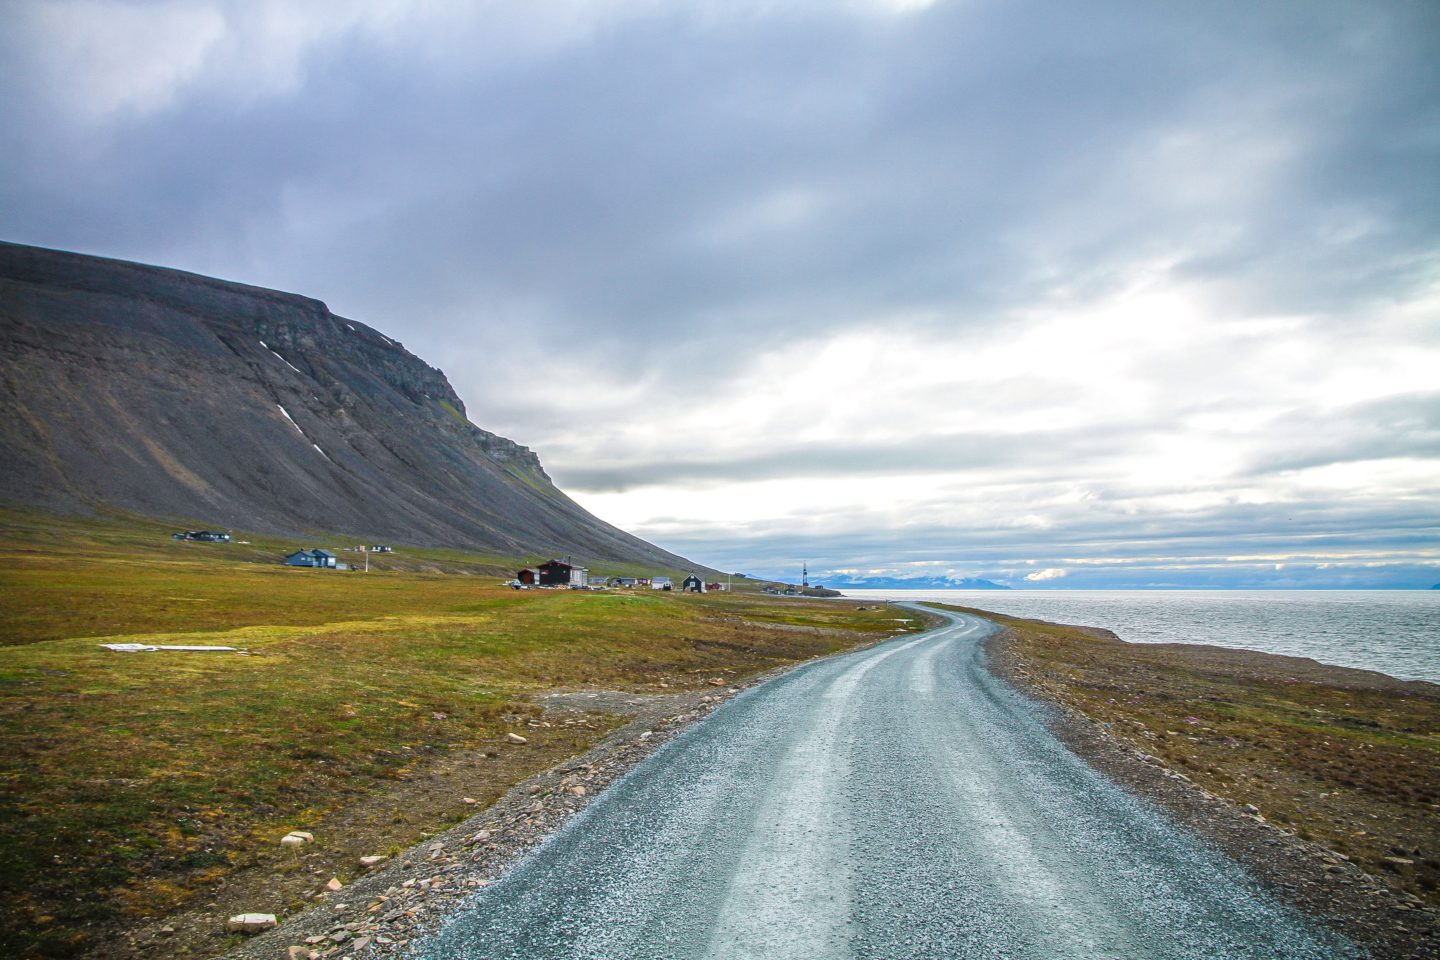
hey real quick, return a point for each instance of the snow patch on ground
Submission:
(289, 364)
(286, 414)
(282, 360)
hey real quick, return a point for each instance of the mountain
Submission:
(175, 395)
(916, 583)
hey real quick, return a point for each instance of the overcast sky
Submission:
(1115, 294)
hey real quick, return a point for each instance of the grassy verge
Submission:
(135, 785)
(1347, 759)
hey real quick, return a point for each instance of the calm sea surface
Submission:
(1393, 631)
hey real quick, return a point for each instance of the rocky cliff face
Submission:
(176, 395)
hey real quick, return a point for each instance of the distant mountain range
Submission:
(914, 583)
(180, 396)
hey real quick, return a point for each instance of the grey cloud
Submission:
(955, 453)
(947, 150)
(1405, 425)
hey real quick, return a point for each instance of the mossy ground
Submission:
(132, 785)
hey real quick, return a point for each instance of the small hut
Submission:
(558, 573)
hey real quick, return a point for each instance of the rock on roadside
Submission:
(251, 922)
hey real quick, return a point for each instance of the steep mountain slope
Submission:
(176, 395)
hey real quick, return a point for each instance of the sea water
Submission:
(1396, 632)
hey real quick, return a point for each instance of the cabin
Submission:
(717, 587)
(311, 558)
(692, 584)
(203, 536)
(660, 583)
(382, 548)
(625, 581)
(529, 576)
(558, 573)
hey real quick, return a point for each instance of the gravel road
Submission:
(895, 802)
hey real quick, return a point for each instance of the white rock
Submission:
(250, 922)
(469, 801)
(334, 884)
(371, 861)
(515, 738)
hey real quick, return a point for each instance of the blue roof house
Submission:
(311, 558)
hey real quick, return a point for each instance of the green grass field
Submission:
(130, 784)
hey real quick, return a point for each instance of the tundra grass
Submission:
(68, 577)
(1348, 759)
(131, 785)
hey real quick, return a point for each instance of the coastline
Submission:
(1391, 631)
(1378, 900)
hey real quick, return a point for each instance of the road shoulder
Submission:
(1319, 881)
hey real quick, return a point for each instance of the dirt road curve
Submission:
(898, 802)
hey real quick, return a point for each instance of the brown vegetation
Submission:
(1346, 759)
